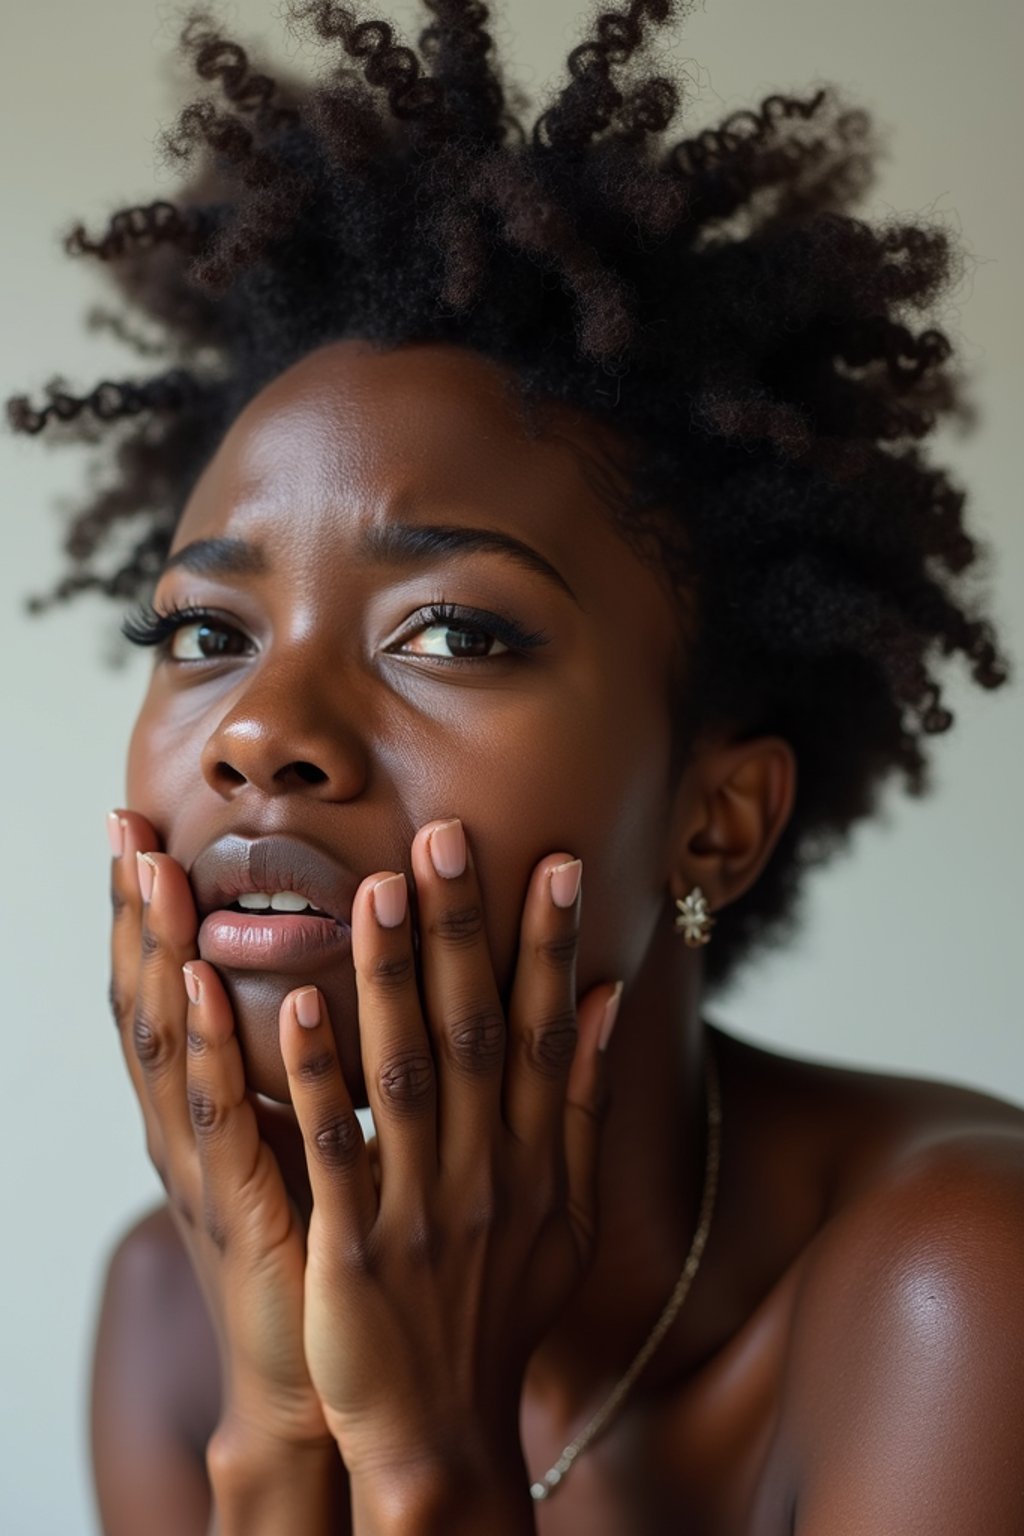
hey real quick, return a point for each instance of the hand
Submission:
(428, 1288)
(223, 1183)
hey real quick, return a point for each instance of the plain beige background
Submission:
(911, 956)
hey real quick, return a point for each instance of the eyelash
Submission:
(147, 626)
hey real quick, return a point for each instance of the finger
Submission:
(167, 940)
(397, 1062)
(129, 834)
(340, 1174)
(465, 1017)
(279, 1128)
(243, 1194)
(542, 1008)
(586, 1098)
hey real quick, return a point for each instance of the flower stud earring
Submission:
(693, 919)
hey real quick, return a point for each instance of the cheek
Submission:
(597, 794)
(162, 768)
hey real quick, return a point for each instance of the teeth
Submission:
(277, 901)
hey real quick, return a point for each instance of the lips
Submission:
(233, 866)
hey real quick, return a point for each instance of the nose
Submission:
(285, 733)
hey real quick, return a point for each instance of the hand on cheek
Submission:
(224, 1187)
(428, 1288)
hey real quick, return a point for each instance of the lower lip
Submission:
(262, 942)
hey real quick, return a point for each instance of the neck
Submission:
(653, 1153)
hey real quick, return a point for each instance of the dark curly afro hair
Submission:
(712, 298)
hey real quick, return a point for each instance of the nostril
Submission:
(309, 773)
(229, 775)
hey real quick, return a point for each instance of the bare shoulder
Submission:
(904, 1396)
(155, 1387)
(928, 1213)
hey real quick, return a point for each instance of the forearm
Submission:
(273, 1491)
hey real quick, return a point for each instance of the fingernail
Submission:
(611, 1013)
(307, 1007)
(389, 901)
(447, 844)
(147, 875)
(565, 882)
(115, 831)
(193, 986)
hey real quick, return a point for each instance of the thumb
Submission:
(586, 1101)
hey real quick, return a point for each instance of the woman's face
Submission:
(323, 702)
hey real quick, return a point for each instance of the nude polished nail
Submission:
(307, 1007)
(115, 832)
(192, 985)
(447, 844)
(389, 901)
(565, 882)
(147, 875)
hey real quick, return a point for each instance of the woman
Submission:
(541, 573)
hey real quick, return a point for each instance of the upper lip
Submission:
(233, 865)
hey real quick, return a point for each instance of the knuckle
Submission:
(406, 1081)
(315, 1068)
(150, 944)
(557, 951)
(118, 900)
(120, 1004)
(339, 1141)
(392, 973)
(203, 1109)
(552, 1044)
(476, 1039)
(151, 1047)
(458, 925)
(361, 1257)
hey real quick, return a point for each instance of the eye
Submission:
(454, 641)
(448, 634)
(203, 640)
(185, 634)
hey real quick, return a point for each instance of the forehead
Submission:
(352, 436)
(394, 425)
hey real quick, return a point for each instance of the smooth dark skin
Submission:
(851, 1358)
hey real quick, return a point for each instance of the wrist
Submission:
(455, 1495)
(265, 1485)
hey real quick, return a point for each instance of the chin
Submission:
(256, 999)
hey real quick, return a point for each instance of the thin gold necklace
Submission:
(545, 1487)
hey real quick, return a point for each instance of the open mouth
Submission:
(272, 903)
(277, 904)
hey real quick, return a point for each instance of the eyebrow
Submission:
(420, 543)
(218, 557)
(387, 544)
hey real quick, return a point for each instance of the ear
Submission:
(732, 804)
